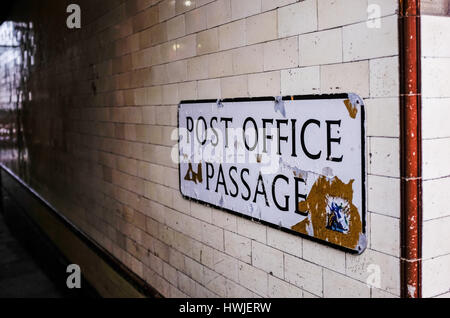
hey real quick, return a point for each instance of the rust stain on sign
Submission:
(352, 110)
(327, 196)
(193, 176)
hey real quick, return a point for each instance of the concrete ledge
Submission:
(109, 277)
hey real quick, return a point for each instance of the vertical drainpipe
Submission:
(410, 148)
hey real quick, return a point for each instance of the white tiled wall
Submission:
(436, 154)
(238, 48)
(173, 50)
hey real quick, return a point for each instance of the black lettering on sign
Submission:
(302, 139)
(227, 122)
(247, 197)
(299, 196)
(214, 131)
(201, 119)
(265, 135)
(281, 138)
(209, 175)
(233, 194)
(189, 127)
(331, 140)
(249, 119)
(221, 181)
(263, 192)
(284, 208)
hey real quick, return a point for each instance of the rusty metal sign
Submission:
(296, 163)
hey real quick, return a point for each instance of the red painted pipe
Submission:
(411, 149)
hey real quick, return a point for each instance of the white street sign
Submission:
(295, 163)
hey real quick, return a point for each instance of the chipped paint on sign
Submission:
(295, 163)
(353, 103)
(333, 216)
(352, 110)
(193, 176)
